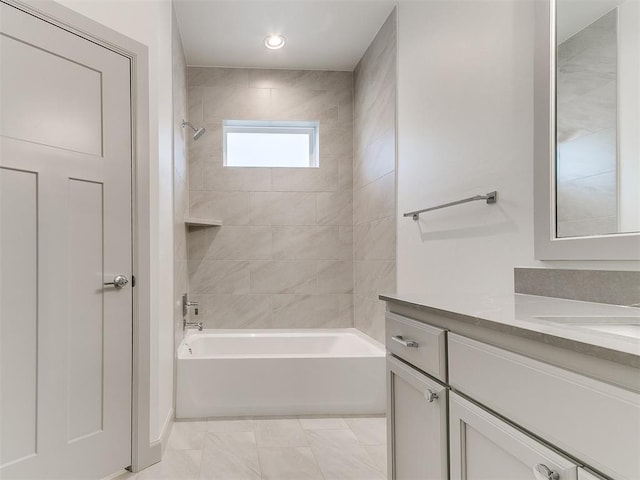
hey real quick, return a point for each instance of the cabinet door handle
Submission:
(403, 342)
(430, 395)
(543, 472)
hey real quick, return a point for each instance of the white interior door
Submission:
(65, 230)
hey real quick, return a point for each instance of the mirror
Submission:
(587, 120)
(597, 87)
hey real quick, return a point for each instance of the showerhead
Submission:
(198, 131)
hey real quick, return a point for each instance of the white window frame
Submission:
(311, 129)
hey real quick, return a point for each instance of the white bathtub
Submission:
(280, 372)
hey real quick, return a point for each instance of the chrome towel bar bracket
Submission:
(491, 197)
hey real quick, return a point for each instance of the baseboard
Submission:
(166, 432)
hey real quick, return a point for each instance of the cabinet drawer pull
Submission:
(406, 343)
(430, 395)
(543, 472)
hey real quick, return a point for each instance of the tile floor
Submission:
(296, 448)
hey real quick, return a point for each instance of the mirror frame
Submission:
(620, 246)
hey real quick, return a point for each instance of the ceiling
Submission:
(321, 35)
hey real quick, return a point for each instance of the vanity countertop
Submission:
(568, 323)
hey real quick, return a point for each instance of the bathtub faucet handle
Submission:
(186, 305)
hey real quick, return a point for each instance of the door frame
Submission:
(143, 451)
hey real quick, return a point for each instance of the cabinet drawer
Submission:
(597, 423)
(417, 343)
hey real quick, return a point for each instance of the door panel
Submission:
(62, 95)
(65, 228)
(483, 447)
(18, 299)
(418, 427)
(86, 319)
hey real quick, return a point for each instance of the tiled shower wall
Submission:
(374, 179)
(284, 255)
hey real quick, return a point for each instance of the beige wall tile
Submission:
(282, 208)
(336, 140)
(305, 311)
(236, 103)
(374, 204)
(345, 107)
(335, 277)
(373, 277)
(270, 216)
(375, 240)
(235, 311)
(208, 145)
(375, 200)
(345, 310)
(368, 316)
(308, 79)
(196, 166)
(211, 76)
(218, 276)
(335, 208)
(345, 172)
(375, 160)
(303, 104)
(235, 179)
(305, 242)
(230, 207)
(294, 276)
(233, 243)
(345, 238)
(321, 179)
(197, 243)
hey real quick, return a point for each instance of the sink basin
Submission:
(626, 330)
(621, 326)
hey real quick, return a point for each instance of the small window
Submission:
(270, 144)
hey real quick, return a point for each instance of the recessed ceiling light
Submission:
(274, 42)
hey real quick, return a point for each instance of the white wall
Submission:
(465, 126)
(149, 22)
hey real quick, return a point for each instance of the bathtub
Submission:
(280, 372)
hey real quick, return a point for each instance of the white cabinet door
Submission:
(65, 231)
(417, 417)
(577, 414)
(586, 475)
(483, 447)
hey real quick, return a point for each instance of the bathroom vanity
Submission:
(512, 387)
